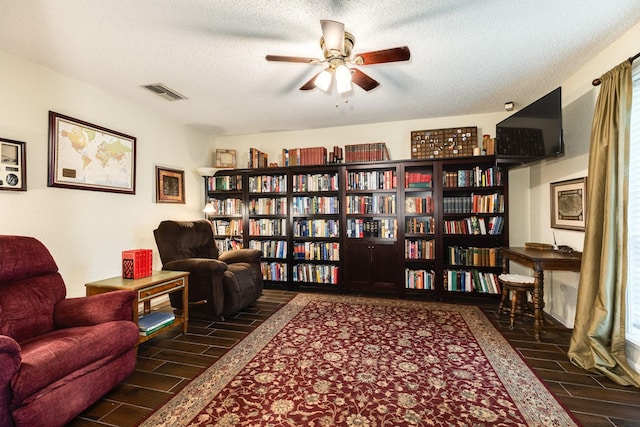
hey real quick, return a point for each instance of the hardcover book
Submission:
(155, 320)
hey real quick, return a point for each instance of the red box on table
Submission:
(137, 263)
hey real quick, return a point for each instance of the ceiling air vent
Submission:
(164, 92)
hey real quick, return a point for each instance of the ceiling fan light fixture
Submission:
(343, 78)
(323, 80)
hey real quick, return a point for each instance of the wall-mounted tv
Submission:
(532, 133)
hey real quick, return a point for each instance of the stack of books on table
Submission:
(151, 322)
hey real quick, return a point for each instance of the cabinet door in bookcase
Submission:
(315, 205)
(225, 210)
(473, 225)
(268, 223)
(371, 265)
(419, 228)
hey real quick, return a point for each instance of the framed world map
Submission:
(90, 157)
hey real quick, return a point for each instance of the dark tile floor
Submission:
(169, 361)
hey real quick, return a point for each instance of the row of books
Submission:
(223, 227)
(475, 203)
(422, 225)
(304, 156)
(474, 225)
(257, 159)
(268, 206)
(366, 152)
(315, 182)
(274, 271)
(270, 248)
(375, 204)
(372, 180)
(267, 227)
(489, 145)
(471, 281)
(224, 183)
(316, 273)
(228, 244)
(316, 228)
(418, 179)
(317, 251)
(418, 204)
(474, 256)
(230, 206)
(154, 321)
(476, 177)
(386, 228)
(268, 184)
(419, 249)
(305, 205)
(419, 279)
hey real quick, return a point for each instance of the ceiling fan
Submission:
(336, 45)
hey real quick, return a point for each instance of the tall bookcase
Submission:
(419, 195)
(474, 216)
(430, 228)
(225, 192)
(316, 234)
(371, 237)
(268, 221)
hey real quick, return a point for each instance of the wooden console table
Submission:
(540, 260)
(147, 288)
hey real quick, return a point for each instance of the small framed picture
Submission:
(225, 159)
(13, 165)
(169, 185)
(569, 204)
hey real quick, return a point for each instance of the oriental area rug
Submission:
(334, 360)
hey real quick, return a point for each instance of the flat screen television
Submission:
(532, 133)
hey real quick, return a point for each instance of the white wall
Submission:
(529, 198)
(87, 230)
(579, 98)
(397, 136)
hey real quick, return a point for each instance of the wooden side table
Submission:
(160, 283)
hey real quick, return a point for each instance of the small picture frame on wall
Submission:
(569, 204)
(169, 185)
(225, 159)
(13, 165)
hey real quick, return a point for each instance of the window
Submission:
(633, 220)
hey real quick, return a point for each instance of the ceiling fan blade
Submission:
(310, 84)
(363, 80)
(333, 33)
(280, 58)
(387, 55)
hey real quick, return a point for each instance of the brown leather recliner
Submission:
(219, 284)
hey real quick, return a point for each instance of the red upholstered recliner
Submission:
(57, 356)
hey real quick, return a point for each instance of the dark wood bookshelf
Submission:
(408, 191)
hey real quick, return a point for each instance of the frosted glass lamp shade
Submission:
(323, 81)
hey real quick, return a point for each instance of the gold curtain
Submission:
(598, 340)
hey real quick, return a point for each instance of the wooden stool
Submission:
(518, 286)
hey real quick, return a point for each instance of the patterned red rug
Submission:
(327, 360)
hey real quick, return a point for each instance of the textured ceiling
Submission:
(467, 56)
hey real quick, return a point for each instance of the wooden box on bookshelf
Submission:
(449, 142)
